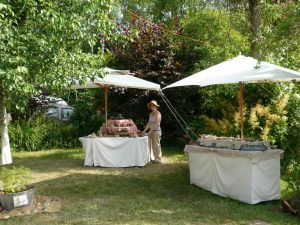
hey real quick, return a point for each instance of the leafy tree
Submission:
(208, 32)
(88, 115)
(167, 11)
(282, 43)
(281, 33)
(238, 22)
(211, 39)
(156, 55)
(47, 44)
(272, 28)
(291, 162)
(150, 55)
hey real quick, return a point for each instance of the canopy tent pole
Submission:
(105, 100)
(242, 108)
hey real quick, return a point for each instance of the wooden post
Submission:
(242, 108)
(105, 100)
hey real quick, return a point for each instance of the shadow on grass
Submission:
(154, 194)
(60, 160)
(54, 154)
(150, 199)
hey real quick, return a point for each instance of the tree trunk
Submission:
(1, 116)
(254, 18)
(1, 109)
(5, 156)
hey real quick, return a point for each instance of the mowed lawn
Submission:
(154, 194)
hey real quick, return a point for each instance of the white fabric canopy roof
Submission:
(236, 70)
(240, 69)
(118, 78)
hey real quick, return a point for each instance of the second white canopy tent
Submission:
(240, 69)
(116, 78)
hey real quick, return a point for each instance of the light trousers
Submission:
(154, 146)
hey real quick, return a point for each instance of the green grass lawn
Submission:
(154, 194)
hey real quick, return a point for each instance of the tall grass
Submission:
(28, 134)
(38, 133)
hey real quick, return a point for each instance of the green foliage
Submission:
(150, 55)
(219, 127)
(88, 115)
(291, 145)
(292, 168)
(265, 112)
(48, 43)
(226, 97)
(212, 39)
(208, 31)
(155, 55)
(168, 11)
(60, 135)
(28, 135)
(268, 123)
(37, 133)
(280, 40)
(13, 179)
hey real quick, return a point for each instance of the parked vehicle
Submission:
(59, 110)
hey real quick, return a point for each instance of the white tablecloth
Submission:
(115, 151)
(247, 176)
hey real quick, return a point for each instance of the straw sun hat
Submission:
(153, 102)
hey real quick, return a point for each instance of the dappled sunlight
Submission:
(148, 198)
(162, 211)
(55, 162)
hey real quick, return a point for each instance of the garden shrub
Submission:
(37, 133)
(206, 125)
(61, 135)
(291, 170)
(268, 122)
(291, 145)
(28, 134)
(88, 115)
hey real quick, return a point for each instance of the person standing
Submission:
(154, 132)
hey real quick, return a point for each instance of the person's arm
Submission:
(147, 126)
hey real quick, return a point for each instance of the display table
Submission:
(115, 151)
(248, 176)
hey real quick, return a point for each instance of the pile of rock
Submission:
(40, 204)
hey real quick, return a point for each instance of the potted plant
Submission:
(14, 191)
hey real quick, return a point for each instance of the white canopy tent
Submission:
(117, 78)
(240, 69)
